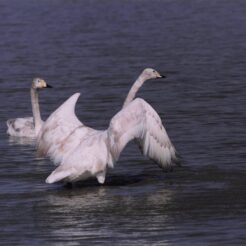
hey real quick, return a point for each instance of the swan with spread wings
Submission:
(82, 152)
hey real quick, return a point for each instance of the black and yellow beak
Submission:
(48, 86)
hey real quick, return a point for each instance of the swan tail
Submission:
(58, 175)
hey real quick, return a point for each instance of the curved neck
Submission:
(134, 89)
(35, 110)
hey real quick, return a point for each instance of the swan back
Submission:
(21, 127)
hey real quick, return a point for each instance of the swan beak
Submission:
(161, 76)
(48, 86)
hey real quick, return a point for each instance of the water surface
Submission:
(98, 48)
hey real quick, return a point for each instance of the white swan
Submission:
(83, 152)
(29, 126)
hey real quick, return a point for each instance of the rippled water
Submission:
(99, 48)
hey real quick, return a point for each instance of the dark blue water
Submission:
(98, 48)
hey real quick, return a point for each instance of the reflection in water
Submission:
(21, 141)
(91, 213)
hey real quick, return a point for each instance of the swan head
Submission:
(150, 73)
(39, 83)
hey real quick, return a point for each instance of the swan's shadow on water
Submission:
(112, 181)
(179, 176)
(139, 179)
(117, 189)
(150, 174)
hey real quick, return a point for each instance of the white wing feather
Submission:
(141, 122)
(57, 128)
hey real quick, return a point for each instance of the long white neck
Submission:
(134, 89)
(35, 110)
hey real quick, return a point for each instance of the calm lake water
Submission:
(98, 48)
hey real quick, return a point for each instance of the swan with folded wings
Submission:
(29, 126)
(82, 152)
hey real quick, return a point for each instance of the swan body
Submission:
(29, 126)
(21, 127)
(82, 152)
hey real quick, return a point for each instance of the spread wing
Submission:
(57, 128)
(140, 121)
